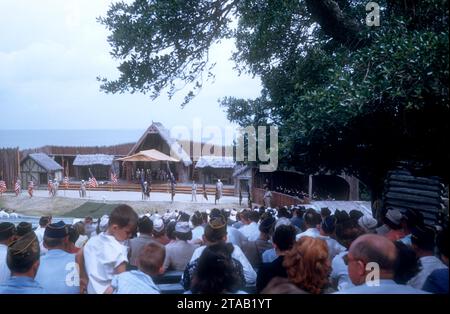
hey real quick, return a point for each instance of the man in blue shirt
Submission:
(297, 219)
(58, 272)
(23, 261)
(437, 281)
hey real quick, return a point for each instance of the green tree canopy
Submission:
(345, 96)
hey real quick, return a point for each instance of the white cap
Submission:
(158, 225)
(394, 216)
(367, 222)
(182, 227)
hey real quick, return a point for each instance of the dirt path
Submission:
(41, 205)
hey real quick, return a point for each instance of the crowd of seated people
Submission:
(293, 192)
(264, 250)
(302, 195)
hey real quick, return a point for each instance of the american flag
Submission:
(92, 183)
(66, 181)
(113, 177)
(17, 186)
(2, 186)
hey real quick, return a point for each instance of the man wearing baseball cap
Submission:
(58, 272)
(393, 220)
(23, 261)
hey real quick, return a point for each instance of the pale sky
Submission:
(51, 52)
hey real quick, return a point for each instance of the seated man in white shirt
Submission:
(423, 243)
(312, 220)
(371, 266)
(197, 228)
(39, 231)
(251, 228)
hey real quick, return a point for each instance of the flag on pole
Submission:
(113, 177)
(2, 187)
(49, 186)
(17, 187)
(92, 182)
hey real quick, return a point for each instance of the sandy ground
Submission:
(42, 204)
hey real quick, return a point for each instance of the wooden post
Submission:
(310, 186)
(18, 167)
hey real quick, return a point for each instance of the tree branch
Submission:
(330, 17)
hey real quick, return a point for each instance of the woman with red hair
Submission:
(308, 266)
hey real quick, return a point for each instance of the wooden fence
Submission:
(117, 150)
(9, 166)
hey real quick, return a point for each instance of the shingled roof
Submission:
(175, 147)
(45, 162)
(95, 159)
(215, 162)
(240, 170)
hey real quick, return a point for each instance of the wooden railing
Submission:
(278, 199)
(162, 188)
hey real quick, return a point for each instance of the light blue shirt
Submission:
(21, 285)
(5, 273)
(58, 273)
(407, 240)
(269, 256)
(385, 287)
(134, 282)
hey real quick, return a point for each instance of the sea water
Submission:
(26, 139)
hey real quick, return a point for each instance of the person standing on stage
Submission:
(145, 191)
(54, 188)
(50, 187)
(267, 197)
(219, 189)
(83, 189)
(31, 188)
(194, 191)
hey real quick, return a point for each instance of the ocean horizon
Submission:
(28, 139)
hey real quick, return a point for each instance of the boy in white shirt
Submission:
(106, 255)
